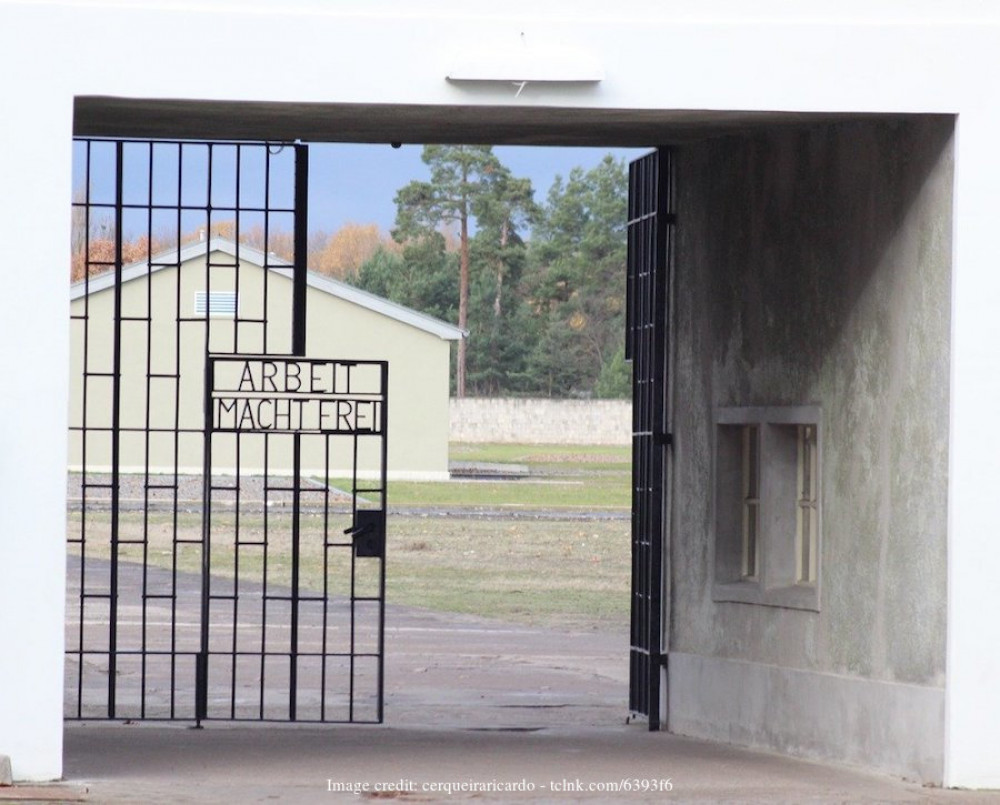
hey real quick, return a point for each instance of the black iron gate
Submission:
(650, 231)
(227, 486)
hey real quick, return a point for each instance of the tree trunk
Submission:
(497, 299)
(463, 301)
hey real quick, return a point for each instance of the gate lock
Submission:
(368, 532)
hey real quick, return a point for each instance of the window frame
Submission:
(780, 510)
(806, 505)
(750, 493)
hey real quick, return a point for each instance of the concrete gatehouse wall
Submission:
(671, 74)
(813, 269)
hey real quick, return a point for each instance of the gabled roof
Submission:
(341, 290)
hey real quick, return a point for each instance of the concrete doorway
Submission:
(578, 659)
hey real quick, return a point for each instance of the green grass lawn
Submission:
(560, 476)
(530, 571)
(546, 572)
(535, 572)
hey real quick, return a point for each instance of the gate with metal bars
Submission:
(650, 236)
(227, 487)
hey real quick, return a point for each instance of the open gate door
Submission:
(650, 230)
(227, 557)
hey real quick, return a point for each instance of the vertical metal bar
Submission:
(630, 278)
(649, 356)
(201, 697)
(115, 436)
(382, 559)
(326, 576)
(236, 581)
(299, 290)
(208, 255)
(354, 563)
(263, 594)
(296, 558)
(201, 688)
(265, 205)
(177, 445)
(643, 351)
(83, 433)
(148, 423)
(669, 336)
(299, 287)
(236, 239)
(658, 444)
(201, 682)
(632, 340)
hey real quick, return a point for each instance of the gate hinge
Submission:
(663, 439)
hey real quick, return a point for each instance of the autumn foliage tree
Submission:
(342, 254)
(94, 243)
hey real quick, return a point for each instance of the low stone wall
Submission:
(540, 421)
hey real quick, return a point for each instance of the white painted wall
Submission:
(832, 56)
(33, 356)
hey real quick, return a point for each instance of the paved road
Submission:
(470, 702)
(441, 669)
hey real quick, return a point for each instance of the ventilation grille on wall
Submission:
(215, 303)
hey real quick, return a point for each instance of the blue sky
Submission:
(347, 182)
(358, 182)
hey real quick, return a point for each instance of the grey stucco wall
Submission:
(813, 266)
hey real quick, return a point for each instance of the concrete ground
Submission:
(498, 712)
(225, 764)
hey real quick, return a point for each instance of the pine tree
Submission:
(460, 177)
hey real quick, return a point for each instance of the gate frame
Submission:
(648, 345)
(298, 312)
